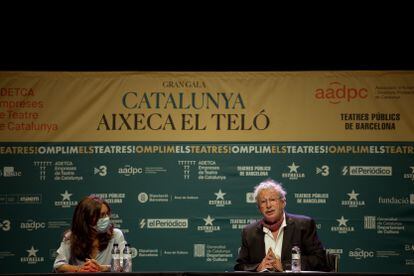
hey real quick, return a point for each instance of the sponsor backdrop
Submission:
(177, 156)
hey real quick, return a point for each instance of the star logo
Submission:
(293, 168)
(353, 195)
(412, 169)
(342, 221)
(66, 195)
(220, 195)
(32, 252)
(208, 220)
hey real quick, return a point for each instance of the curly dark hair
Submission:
(83, 234)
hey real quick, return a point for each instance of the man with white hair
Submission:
(267, 244)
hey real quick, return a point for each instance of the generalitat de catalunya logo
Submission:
(337, 92)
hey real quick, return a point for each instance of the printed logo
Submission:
(28, 199)
(101, 170)
(208, 226)
(384, 225)
(258, 170)
(42, 168)
(66, 202)
(335, 250)
(409, 247)
(337, 92)
(143, 197)
(5, 225)
(134, 252)
(240, 223)
(360, 254)
(32, 257)
(161, 198)
(387, 253)
(111, 198)
(353, 201)
(370, 222)
(128, 170)
(396, 200)
(160, 223)
(324, 170)
(213, 253)
(342, 227)
(293, 172)
(66, 171)
(311, 198)
(367, 170)
(410, 175)
(219, 201)
(31, 225)
(53, 253)
(250, 197)
(10, 172)
(199, 250)
(148, 252)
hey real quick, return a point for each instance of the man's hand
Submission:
(270, 262)
(276, 263)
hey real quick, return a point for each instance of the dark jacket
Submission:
(299, 230)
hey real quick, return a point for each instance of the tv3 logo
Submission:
(324, 170)
(101, 170)
(5, 225)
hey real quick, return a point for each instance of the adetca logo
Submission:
(337, 92)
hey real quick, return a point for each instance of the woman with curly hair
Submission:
(87, 246)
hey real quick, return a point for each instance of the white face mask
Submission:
(103, 224)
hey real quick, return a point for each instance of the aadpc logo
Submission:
(129, 170)
(32, 225)
(337, 92)
(360, 254)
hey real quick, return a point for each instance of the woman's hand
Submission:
(90, 265)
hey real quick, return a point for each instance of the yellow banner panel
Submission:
(207, 106)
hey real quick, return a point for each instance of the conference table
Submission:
(310, 273)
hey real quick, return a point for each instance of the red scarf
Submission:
(272, 227)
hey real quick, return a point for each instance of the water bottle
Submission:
(116, 259)
(127, 259)
(296, 259)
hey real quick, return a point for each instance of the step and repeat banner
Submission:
(177, 154)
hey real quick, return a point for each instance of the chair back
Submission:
(332, 262)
